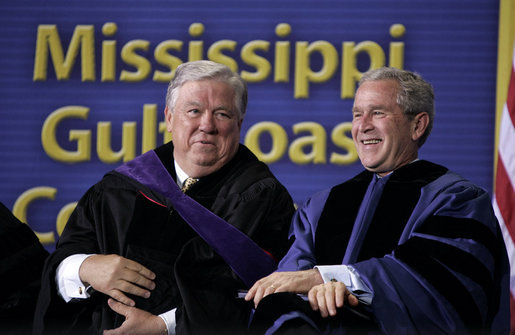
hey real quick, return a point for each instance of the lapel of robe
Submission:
(385, 219)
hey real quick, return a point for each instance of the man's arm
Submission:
(110, 274)
(327, 287)
(70, 286)
(115, 276)
(296, 271)
(350, 277)
(297, 282)
(329, 296)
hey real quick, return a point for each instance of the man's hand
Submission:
(296, 282)
(329, 296)
(137, 321)
(115, 275)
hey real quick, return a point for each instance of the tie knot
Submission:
(188, 183)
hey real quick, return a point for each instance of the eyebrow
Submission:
(371, 108)
(197, 104)
(192, 103)
(223, 107)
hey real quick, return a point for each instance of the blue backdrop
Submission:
(70, 67)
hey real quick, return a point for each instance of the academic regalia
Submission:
(120, 215)
(430, 249)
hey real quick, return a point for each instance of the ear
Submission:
(419, 125)
(168, 119)
(240, 121)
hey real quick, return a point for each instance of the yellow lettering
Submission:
(340, 139)
(141, 64)
(48, 40)
(279, 141)
(196, 48)
(83, 137)
(128, 149)
(317, 141)
(109, 52)
(397, 48)
(215, 54)
(25, 199)
(350, 72)
(148, 139)
(314, 62)
(303, 72)
(164, 58)
(262, 65)
(282, 54)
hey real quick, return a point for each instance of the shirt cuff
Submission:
(67, 278)
(350, 277)
(169, 319)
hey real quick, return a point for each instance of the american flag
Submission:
(504, 195)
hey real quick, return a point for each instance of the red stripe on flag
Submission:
(505, 197)
(510, 100)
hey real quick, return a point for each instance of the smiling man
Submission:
(405, 247)
(138, 256)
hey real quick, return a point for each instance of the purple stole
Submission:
(243, 255)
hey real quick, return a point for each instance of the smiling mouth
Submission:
(205, 142)
(374, 141)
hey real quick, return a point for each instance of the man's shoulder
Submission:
(451, 182)
(441, 175)
(112, 181)
(245, 167)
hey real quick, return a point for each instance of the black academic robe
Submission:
(121, 216)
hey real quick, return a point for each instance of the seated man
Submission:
(405, 247)
(139, 254)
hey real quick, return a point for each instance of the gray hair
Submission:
(415, 94)
(208, 70)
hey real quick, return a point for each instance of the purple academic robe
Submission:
(429, 248)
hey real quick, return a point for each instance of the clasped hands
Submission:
(323, 297)
(116, 276)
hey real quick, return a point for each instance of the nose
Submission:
(207, 123)
(365, 123)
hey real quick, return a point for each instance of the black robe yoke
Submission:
(121, 216)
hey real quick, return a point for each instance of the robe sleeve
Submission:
(301, 255)
(84, 233)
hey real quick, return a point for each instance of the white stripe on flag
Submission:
(510, 246)
(507, 143)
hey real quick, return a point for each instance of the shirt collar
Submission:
(379, 177)
(181, 175)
